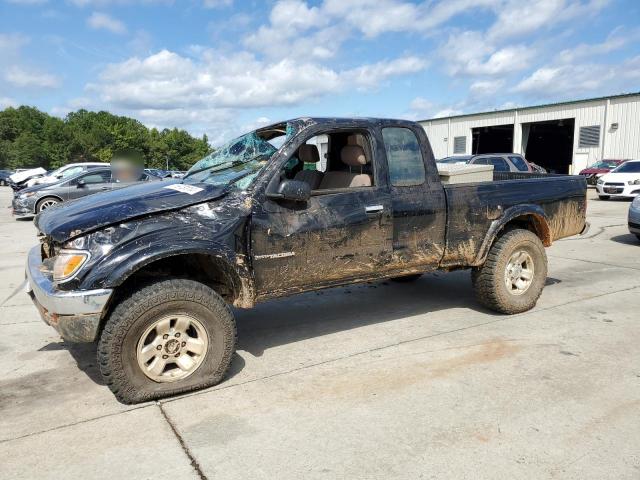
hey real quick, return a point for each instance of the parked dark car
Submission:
(593, 172)
(4, 177)
(502, 162)
(151, 273)
(32, 200)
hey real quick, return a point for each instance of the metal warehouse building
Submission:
(562, 137)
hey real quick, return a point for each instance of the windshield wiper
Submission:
(218, 168)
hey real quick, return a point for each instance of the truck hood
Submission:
(71, 219)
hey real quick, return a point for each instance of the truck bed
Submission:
(473, 209)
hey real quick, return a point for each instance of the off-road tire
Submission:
(489, 279)
(137, 311)
(407, 278)
(43, 200)
(603, 197)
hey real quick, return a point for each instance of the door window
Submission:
(406, 166)
(499, 164)
(96, 178)
(71, 171)
(519, 163)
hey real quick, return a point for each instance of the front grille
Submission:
(614, 184)
(47, 248)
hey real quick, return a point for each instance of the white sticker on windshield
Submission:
(181, 187)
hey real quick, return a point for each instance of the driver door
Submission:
(90, 183)
(337, 235)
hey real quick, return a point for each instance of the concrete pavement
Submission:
(381, 380)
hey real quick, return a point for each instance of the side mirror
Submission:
(293, 190)
(80, 183)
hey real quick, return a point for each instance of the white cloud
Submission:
(579, 79)
(19, 77)
(102, 21)
(375, 17)
(483, 88)
(521, 18)
(217, 3)
(27, 2)
(447, 112)
(11, 43)
(469, 53)
(167, 80)
(371, 75)
(6, 102)
(617, 39)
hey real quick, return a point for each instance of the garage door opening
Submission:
(494, 139)
(549, 144)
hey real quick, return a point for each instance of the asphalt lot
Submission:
(382, 380)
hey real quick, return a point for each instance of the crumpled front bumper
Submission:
(22, 207)
(75, 314)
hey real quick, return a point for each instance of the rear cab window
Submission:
(404, 157)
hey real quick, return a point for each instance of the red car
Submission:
(595, 171)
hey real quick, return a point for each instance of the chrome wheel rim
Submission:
(172, 348)
(47, 203)
(518, 275)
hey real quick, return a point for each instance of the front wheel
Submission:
(45, 203)
(514, 273)
(169, 337)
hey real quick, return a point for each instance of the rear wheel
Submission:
(170, 337)
(45, 203)
(514, 273)
(603, 197)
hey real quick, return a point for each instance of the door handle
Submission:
(373, 208)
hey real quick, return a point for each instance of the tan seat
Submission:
(309, 154)
(354, 156)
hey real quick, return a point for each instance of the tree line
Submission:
(31, 138)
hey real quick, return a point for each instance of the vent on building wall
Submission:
(589, 136)
(459, 144)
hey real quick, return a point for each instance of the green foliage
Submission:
(31, 138)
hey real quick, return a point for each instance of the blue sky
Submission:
(222, 66)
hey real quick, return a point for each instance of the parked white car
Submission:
(64, 172)
(23, 174)
(622, 181)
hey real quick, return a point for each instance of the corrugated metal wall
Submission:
(623, 142)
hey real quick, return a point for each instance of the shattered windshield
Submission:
(237, 162)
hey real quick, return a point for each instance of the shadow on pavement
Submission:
(314, 314)
(84, 355)
(626, 239)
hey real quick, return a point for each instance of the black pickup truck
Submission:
(150, 271)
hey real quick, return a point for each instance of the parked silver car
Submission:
(634, 217)
(35, 199)
(502, 162)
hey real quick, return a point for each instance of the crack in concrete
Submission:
(194, 463)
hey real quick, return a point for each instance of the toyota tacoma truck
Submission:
(150, 272)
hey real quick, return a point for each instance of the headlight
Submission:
(67, 263)
(634, 182)
(26, 194)
(600, 181)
